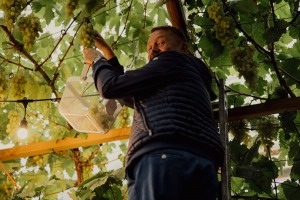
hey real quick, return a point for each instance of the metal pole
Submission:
(223, 124)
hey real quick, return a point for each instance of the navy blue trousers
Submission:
(172, 175)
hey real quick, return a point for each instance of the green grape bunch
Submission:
(124, 117)
(12, 9)
(14, 120)
(224, 26)
(242, 60)
(16, 86)
(99, 114)
(6, 190)
(267, 128)
(225, 30)
(70, 7)
(240, 131)
(87, 171)
(30, 27)
(38, 160)
(215, 11)
(86, 35)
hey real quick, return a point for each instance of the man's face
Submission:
(161, 40)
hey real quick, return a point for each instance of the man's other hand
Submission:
(90, 54)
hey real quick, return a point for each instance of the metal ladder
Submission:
(223, 126)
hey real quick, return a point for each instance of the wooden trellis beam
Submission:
(268, 108)
(47, 147)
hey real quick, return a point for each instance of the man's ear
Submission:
(184, 47)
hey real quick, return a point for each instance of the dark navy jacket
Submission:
(171, 96)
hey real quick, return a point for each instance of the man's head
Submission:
(166, 38)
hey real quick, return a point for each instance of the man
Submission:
(174, 148)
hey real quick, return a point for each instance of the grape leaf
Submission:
(295, 32)
(49, 14)
(160, 3)
(295, 171)
(245, 6)
(291, 190)
(294, 153)
(273, 34)
(36, 6)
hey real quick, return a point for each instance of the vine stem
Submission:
(60, 39)
(145, 12)
(124, 193)
(125, 24)
(9, 176)
(289, 75)
(55, 75)
(273, 12)
(17, 64)
(78, 166)
(276, 69)
(94, 153)
(62, 153)
(244, 94)
(295, 18)
(273, 60)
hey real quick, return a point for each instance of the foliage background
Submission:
(260, 148)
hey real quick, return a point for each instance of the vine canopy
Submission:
(254, 45)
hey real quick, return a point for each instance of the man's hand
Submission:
(90, 54)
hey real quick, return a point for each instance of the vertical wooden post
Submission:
(176, 14)
(223, 124)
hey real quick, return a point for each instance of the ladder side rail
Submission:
(223, 125)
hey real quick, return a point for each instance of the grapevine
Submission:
(124, 117)
(30, 27)
(242, 59)
(240, 131)
(224, 26)
(16, 86)
(6, 190)
(13, 125)
(86, 35)
(267, 128)
(215, 11)
(12, 9)
(70, 7)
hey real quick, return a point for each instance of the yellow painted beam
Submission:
(40, 148)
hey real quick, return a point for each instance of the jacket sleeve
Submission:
(158, 72)
(117, 67)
